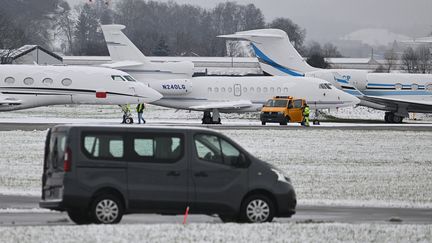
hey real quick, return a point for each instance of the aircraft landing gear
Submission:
(391, 117)
(209, 119)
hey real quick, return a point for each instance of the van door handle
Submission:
(201, 174)
(173, 173)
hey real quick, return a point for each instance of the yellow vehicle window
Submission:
(297, 103)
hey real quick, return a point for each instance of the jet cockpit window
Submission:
(324, 86)
(117, 78)
(9, 80)
(129, 78)
(329, 86)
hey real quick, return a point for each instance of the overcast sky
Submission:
(330, 19)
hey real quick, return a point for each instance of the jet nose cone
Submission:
(349, 99)
(153, 95)
(147, 94)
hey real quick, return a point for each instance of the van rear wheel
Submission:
(257, 209)
(79, 216)
(106, 209)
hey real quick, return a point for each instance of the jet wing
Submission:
(122, 64)
(238, 104)
(411, 105)
(5, 100)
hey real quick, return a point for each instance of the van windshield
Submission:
(276, 103)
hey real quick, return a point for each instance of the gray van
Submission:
(99, 173)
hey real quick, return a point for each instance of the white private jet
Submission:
(397, 94)
(225, 94)
(28, 86)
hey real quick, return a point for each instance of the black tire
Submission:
(285, 121)
(257, 208)
(390, 117)
(263, 123)
(397, 119)
(129, 120)
(79, 216)
(106, 209)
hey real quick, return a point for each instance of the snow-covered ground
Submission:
(336, 167)
(269, 232)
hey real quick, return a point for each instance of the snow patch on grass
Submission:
(269, 232)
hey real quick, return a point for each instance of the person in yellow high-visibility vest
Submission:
(306, 112)
(140, 110)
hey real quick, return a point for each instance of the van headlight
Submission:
(281, 176)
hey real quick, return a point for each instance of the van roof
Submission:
(132, 126)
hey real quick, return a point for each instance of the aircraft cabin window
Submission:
(271, 90)
(28, 81)
(223, 90)
(398, 86)
(265, 90)
(245, 89)
(258, 90)
(129, 78)
(216, 89)
(279, 90)
(286, 90)
(9, 80)
(210, 89)
(117, 78)
(414, 86)
(47, 81)
(229, 90)
(66, 82)
(252, 89)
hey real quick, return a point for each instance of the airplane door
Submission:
(237, 90)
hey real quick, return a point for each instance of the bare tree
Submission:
(410, 60)
(424, 59)
(295, 33)
(391, 59)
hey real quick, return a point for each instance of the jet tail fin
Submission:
(119, 45)
(276, 54)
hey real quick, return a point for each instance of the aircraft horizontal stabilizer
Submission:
(238, 104)
(247, 36)
(121, 64)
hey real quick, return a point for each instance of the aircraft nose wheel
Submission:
(129, 120)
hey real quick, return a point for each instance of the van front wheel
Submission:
(107, 209)
(257, 209)
(79, 216)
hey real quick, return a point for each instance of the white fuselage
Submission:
(186, 93)
(27, 86)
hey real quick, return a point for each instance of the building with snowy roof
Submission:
(30, 54)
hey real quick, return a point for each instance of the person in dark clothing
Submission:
(140, 110)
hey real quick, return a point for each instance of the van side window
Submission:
(103, 146)
(208, 148)
(157, 148)
(297, 103)
(214, 149)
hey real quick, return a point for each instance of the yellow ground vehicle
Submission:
(282, 109)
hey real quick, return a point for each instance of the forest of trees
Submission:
(157, 28)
